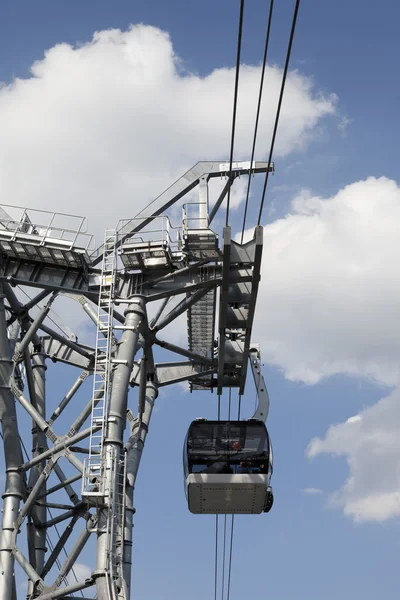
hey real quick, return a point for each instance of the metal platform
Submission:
(46, 237)
(155, 247)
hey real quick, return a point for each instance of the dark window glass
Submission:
(228, 447)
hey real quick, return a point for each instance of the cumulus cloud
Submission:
(312, 491)
(330, 297)
(99, 129)
(371, 445)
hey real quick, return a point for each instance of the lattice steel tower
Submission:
(145, 259)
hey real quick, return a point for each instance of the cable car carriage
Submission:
(228, 467)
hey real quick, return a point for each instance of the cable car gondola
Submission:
(228, 467)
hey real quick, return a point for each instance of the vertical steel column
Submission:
(15, 483)
(135, 314)
(39, 445)
(134, 449)
(203, 202)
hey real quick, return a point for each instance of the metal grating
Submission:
(201, 327)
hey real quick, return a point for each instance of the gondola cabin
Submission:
(228, 467)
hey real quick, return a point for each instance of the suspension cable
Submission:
(232, 525)
(271, 6)
(230, 559)
(235, 96)
(223, 561)
(224, 544)
(285, 71)
(216, 559)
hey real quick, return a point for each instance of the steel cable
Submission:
(271, 6)
(235, 95)
(223, 561)
(230, 559)
(216, 559)
(232, 525)
(285, 71)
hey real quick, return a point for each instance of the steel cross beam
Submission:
(208, 169)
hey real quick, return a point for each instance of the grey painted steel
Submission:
(36, 299)
(59, 486)
(18, 309)
(173, 372)
(66, 483)
(15, 485)
(29, 335)
(221, 198)
(76, 587)
(240, 281)
(180, 308)
(58, 351)
(134, 316)
(134, 449)
(72, 345)
(39, 445)
(198, 358)
(177, 190)
(262, 409)
(68, 396)
(64, 444)
(59, 546)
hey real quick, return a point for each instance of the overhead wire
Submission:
(260, 93)
(230, 559)
(284, 77)
(278, 111)
(223, 561)
(216, 559)
(235, 96)
(232, 525)
(224, 544)
(216, 525)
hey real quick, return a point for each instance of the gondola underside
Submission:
(227, 494)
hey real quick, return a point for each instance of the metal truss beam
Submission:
(52, 477)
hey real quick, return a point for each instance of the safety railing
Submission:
(158, 232)
(193, 217)
(44, 227)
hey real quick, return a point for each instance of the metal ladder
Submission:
(116, 522)
(93, 484)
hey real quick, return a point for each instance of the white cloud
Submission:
(330, 299)
(371, 444)
(344, 124)
(101, 128)
(329, 288)
(82, 571)
(312, 491)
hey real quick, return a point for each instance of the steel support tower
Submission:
(53, 498)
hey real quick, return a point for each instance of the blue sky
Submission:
(302, 549)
